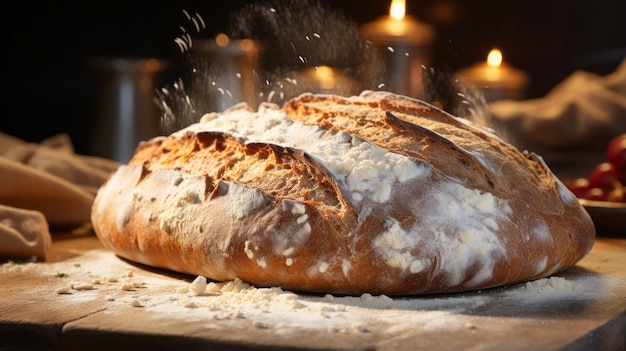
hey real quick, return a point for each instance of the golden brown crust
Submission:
(383, 194)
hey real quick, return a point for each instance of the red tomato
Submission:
(578, 186)
(616, 155)
(604, 176)
(615, 195)
(595, 194)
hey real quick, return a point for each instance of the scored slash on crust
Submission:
(213, 157)
(464, 157)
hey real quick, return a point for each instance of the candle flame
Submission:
(494, 59)
(247, 45)
(325, 77)
(222, 40)
(397, 9)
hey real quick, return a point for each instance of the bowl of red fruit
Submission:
(603, 191)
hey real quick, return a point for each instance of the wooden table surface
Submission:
(85, 297)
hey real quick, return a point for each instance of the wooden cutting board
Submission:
(85, 297)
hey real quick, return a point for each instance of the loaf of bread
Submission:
(376, 193)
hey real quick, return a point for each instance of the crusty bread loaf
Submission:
(375, 193)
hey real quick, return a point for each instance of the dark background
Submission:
(53, 88)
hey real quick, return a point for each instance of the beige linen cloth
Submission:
(42, 186)
(573, 123)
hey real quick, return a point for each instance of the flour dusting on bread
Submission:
(376, 193)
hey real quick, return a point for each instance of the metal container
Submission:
(225, 72)
(127, 112)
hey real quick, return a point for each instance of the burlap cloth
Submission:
(572, 125)
(43, 186)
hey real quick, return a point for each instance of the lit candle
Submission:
(398, 28)
(325, 79)
(497, 79)
(404, 43)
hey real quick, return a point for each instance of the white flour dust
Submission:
(113, 284)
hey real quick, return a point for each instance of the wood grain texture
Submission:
(156, 312)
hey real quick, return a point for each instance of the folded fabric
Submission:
(47, 181)
(60, 201)
(80, 171)
(56, 156)
(583, 112)
(24, 233)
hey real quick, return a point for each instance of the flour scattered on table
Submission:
(555, 287)
(198, 286)
(271, 308)
(64, 290)
(230, 303)
(76, 285)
